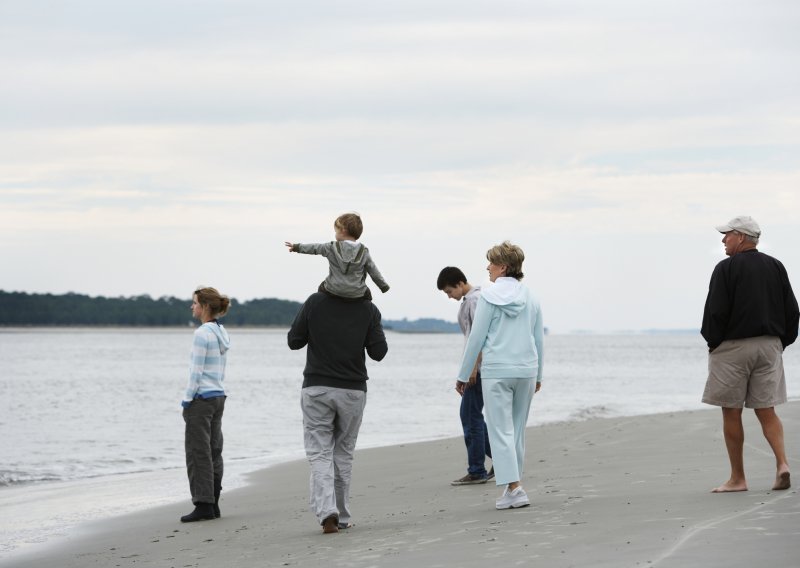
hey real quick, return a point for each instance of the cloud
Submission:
(255, 64)
(151, 145)
(555, 200)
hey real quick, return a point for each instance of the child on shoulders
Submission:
(349, 261)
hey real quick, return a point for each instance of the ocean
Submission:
(91, 425)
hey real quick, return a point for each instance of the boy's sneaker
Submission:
(470, 479)
(513, 499)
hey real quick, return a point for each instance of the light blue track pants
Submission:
(507, 403)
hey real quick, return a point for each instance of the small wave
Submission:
(116, 461)
(9, 478)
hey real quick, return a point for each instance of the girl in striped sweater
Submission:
(203, 404)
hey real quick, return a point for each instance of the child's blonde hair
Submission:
(350, 222)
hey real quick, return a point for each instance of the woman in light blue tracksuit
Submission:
(507, 330)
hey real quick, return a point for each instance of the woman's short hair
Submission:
(351, 223)
(217, 303)
(509, 255)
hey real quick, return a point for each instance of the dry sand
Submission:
(606, 492)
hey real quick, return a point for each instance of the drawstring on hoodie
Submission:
(356, 260)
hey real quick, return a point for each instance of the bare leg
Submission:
(772, 427)
(733, 430)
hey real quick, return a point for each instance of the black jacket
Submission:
(750, 296)
(337, 332)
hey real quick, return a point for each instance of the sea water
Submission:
(91, 424)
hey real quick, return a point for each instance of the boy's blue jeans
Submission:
(476, 436)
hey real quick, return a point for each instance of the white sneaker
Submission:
(513, 499)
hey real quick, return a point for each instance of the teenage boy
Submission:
(454, 284)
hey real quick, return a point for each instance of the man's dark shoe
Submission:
(202, 512)
(491, 474)
(470, 479)
(330, 525)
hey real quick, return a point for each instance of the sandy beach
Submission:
(605, 492)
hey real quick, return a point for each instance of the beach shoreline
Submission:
(629, 491)
(47, 513)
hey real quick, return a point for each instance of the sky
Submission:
(147, 147)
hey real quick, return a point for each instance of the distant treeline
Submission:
(20, 308)
(23, 309)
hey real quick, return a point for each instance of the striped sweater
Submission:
(207, 366)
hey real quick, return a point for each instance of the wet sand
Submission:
(606, 492)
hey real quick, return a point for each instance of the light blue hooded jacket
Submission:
(508, 331)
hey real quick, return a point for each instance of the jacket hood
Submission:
(508, 294)
(349, 251)
(222, 336)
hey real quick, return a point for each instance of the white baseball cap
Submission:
(741, 224)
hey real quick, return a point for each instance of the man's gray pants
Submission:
(331, 420)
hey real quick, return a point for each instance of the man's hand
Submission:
(460, 387)
(538, 387)
(288, 244)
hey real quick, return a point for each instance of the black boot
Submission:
(202, 512)
(217, 491)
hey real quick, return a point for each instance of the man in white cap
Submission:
(751, 316)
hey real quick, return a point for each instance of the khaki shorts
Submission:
(746, 372)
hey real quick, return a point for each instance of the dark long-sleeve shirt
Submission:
(749, 296)
(338, 333)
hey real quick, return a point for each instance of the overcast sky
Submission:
(150, 146)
